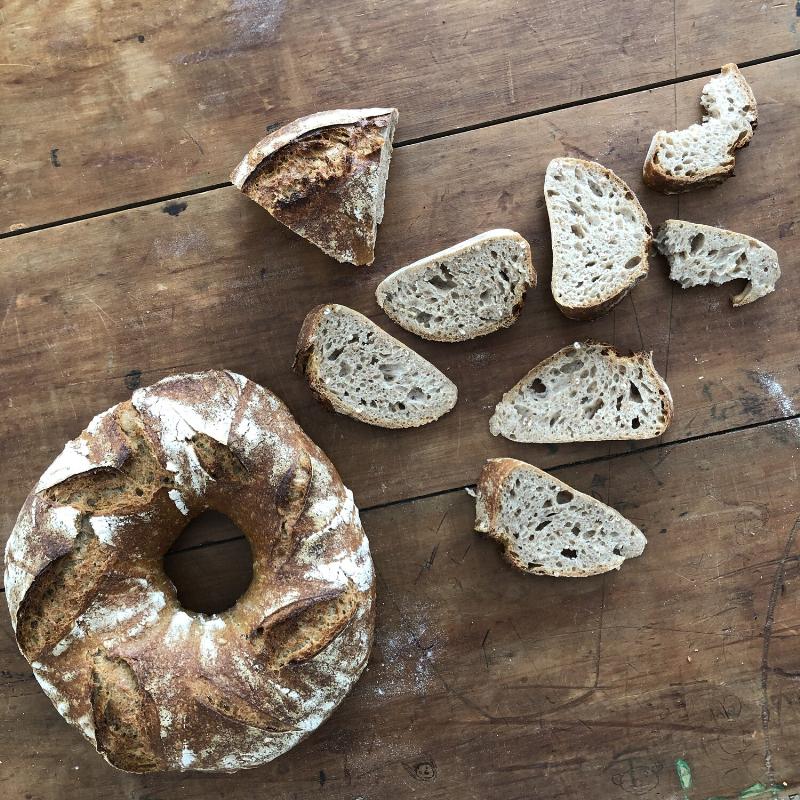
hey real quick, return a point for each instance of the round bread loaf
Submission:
(155, 687)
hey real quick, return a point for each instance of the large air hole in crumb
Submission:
(564, 497)
(568, 552)
(636, 395)
(696, 242)
(538, 386)
(210, 579)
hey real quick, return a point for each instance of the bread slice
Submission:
(587, 392)
(467, 290)
(324, 177)
(548, 528)
(355, 368)
(703, 154)
(600, 236)
(699, 255)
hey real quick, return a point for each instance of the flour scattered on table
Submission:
(406, 652)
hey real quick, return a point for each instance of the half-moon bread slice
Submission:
(600, 237)
(700, 254)
(548, 528)
(468, 290)
(324, 177)
(586, 392)
(356, 368)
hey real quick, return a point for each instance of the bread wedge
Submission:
(700, 254)
(468, 290)
(704, 154)
(600, 237)
(357, 369)
(548, 528)
(324, 177)
(586, 392)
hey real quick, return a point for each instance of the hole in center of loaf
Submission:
(210, 564)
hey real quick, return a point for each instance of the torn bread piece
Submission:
(700, 254)
(600, 237)
(586, 392)
(468, 290)
(548, 528)
(357, 369)
(324, 177)
(704, 154)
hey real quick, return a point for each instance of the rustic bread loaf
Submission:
(355, 368)
(699, 255)
(155, 687)
(548, 528)
(704, 154)
(600, 237)
(586, 392)
(468, 290)
(324, 177)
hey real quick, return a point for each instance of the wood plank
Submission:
(117, 103)
(488, 683)
(93, 308)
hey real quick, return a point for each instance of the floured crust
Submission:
(155, 687)
(324, 177)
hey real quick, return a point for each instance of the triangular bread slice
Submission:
(704, 154)
(355, 368)
(699, 255)
(586, 392)
(548, 528)
(324, 177)
(467, 290)
(600, 237)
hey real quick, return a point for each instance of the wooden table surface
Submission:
(126, 256)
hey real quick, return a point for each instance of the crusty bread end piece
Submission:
(586, 392)
(468, 290)
(356, 368)
(704, 154)
(548, 528)
(600, 237)
(700, 254)
(324, 177)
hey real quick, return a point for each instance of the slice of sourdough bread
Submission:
(600, 237)
(587, 392)
(324, 177)
(548, 528)
(468, 290)
(699, 255)
(704, 154)
(355, 368)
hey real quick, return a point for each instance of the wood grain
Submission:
(112, 103)
(95, 308)
(486, 683)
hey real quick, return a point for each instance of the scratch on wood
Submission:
(767, 636)
(483, 647)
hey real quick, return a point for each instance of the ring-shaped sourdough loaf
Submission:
(155, 687)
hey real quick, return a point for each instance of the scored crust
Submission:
(611, 299)
(152, 686)
(324, 177)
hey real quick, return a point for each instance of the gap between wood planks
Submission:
(417, 140)
(566, 465)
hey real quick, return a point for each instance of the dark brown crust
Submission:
(314, 176)
(119, 649)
